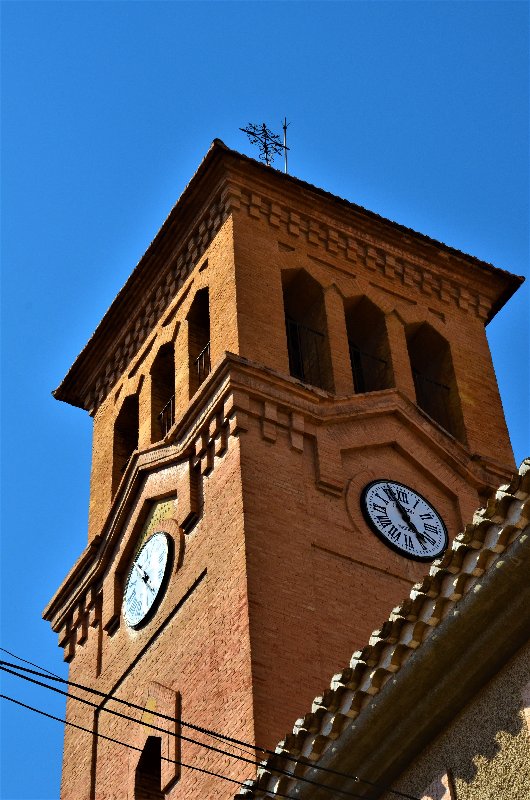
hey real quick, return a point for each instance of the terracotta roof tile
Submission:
(474, 551)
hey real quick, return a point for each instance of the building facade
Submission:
(436, 706)
(295, 411)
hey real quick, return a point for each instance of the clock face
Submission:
(404, 520)
(146, 580)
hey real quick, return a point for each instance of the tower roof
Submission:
(185, 233)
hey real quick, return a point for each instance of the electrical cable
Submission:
(25, 660)
(208, 732)
(180, 736)
(54, 675)
(131, 746)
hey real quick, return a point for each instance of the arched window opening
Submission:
(162, 392)
(125, 438)
(434, 378)
(305, 321)
(199, 340)
(147, 782)
(368, 344)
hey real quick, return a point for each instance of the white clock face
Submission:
(404, 520)
(146, 580)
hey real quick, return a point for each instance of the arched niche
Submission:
(368, 346)
(125, 440)
(434, 377)
(162, 392)
(306, 328)
(199, 340)
(147, 782)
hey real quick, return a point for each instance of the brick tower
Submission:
(276, 351)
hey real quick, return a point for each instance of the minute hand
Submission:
(145, 577)
(405, 514)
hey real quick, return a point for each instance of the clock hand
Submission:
(401, 508)
(143, 573)
(406, 516)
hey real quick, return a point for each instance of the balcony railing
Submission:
(369, 371)
(305, 347)
(433, 397)
(126, 463)
(203, 364)
(166, 418)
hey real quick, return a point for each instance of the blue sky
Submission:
(416, 110)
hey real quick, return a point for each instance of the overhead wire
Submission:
(233, 742)
(131, 746)
(205, 731)
(176, 735)
(25, 660)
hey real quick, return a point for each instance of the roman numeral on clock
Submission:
(431, 528)
(394, 533)
(404, 519)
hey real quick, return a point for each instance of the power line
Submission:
(25, 660)
(180, 736)
(130, 746)
(102, 694)
(206, 732)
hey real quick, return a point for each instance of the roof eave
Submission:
(87, 362)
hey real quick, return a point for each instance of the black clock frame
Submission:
(163, 584)
(373, 527)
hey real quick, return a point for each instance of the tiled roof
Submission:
(494, 530)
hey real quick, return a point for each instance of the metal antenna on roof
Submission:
(285, 125)
(269, 143)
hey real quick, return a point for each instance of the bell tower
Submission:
(294, 405)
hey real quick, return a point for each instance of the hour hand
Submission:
(412, 526)
(143, 573)
(406, 516)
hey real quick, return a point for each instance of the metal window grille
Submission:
(203, 364)
(433, 397)
(305, 352)
(369, 371)
(166, 418)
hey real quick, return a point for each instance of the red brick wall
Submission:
(280, 580)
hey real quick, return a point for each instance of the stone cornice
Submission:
(383, 255)
(466, 618)
(226, 181)
(236, 395)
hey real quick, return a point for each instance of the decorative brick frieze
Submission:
(294, 223)
(392, 262)
(85, 615)
(254, 208)
(173, 276)
(269, 421)
(230, 199)
(296, 431)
